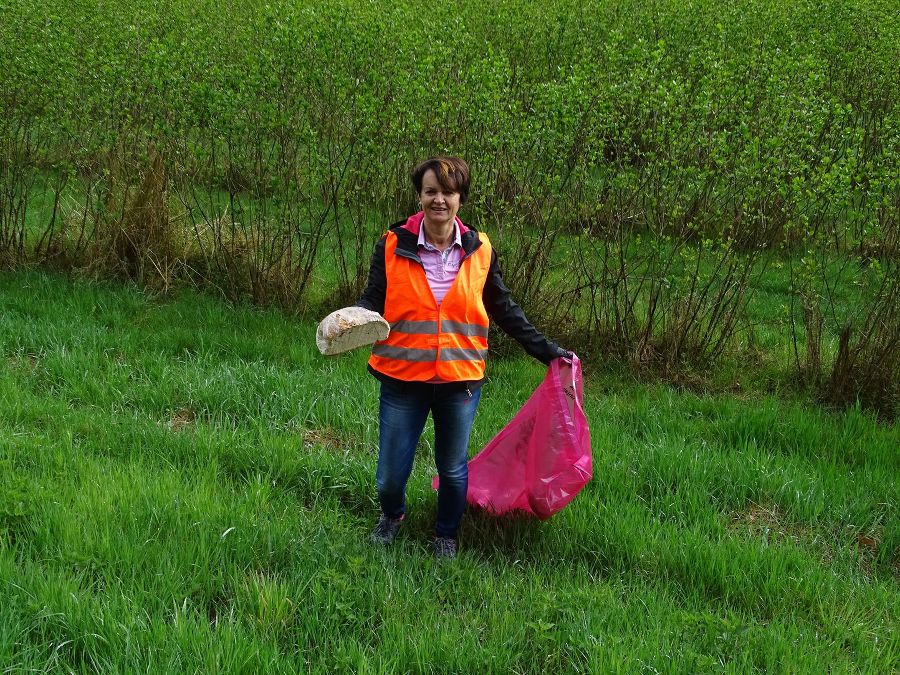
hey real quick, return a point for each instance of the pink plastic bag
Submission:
(542, 458)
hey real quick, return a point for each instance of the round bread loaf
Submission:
(349, 328)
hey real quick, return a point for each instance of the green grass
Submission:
(188, 486)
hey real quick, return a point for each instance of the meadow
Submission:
(187, 486)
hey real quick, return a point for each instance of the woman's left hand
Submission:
(565, 354)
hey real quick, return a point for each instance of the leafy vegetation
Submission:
(642, 167)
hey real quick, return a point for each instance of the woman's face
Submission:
(440, 205)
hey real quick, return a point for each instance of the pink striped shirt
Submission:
(441, 268)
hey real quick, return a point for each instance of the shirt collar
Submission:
(457, 238)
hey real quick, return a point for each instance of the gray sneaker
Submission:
(386, 530)
(444, 547)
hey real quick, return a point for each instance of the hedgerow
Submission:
(640, 167)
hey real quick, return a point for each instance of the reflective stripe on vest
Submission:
(431, 327)
(448, 354)
(428, 342)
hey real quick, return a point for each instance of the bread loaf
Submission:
(349, 328)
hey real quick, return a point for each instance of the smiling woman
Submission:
(437, 282)
(443, 186)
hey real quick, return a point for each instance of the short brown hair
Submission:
(452, 174)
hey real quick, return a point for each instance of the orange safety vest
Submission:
(427, 341)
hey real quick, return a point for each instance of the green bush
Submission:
(657, 158)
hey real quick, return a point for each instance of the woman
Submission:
(436, 282)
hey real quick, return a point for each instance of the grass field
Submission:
(188, 487)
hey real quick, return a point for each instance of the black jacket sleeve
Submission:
(373, 296)
(510, 317)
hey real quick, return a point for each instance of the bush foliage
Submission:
(641, 167)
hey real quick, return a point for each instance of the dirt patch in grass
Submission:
(25, 363)
(181, 419)
(874, 556)
(766, 522)
(328, 439)
(769, 523)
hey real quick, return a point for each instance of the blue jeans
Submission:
(403, 410)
